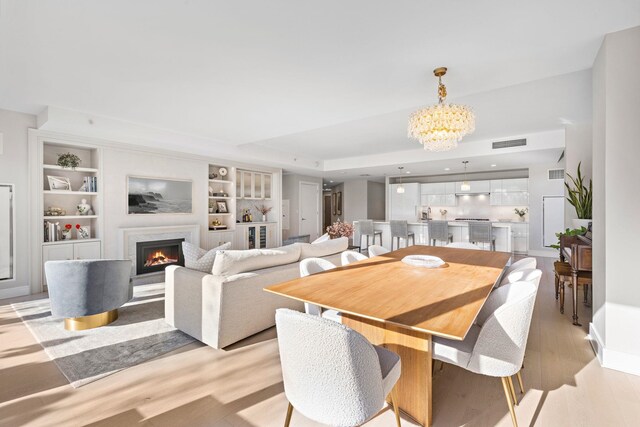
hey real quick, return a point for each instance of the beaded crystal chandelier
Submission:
(440, 127)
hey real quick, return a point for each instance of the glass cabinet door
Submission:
(239, 187)
(267, 186)
(263, 236)
(257, 185)
(247, 184)
(251, 238)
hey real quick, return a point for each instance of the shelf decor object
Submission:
(440, 127)
(68, 161)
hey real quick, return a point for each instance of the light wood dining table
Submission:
(400, 306)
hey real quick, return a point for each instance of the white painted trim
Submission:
(318, 221)
(15, 292)
(14, 241)
(613, 359)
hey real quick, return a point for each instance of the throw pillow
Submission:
(200, 259)
(322, 238)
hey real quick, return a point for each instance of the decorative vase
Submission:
(577, 223)
(264, 218)
(66, 234)
(211, 210)
(83, 207)
(522, 219)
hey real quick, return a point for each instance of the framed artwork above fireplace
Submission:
(159, 196)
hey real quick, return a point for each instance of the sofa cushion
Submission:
(200, 259)
(325, 237)
(322, 249)
(232, 262)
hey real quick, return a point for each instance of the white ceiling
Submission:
(255, 71)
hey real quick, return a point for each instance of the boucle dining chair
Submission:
(532, 275)
(495, 346)
(311, 266)
(377, 250)
(528, 262)
(347, 257)
(331, 373)
(463, 245)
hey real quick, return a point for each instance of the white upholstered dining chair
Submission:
(463, 245)
(347, 257)
(528, 262)
(312, 266)
(532, 275)
(377, 250)
(331, 373)
(495, 345)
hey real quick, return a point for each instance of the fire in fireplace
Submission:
(155, 255)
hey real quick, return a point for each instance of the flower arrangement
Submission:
(263, 209)
(83, 232)
(66, 233)
(340, 229)
(68, 161)
(443, 212)
(521, 212)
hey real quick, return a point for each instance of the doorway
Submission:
(326, 211)
(309, 210)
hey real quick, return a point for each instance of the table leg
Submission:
(574, 293)
(414, 349)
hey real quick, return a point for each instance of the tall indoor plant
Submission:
(581, 198)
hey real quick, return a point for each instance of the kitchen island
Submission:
(459, 229)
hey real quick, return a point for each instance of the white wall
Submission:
(14, 170)
(539, 186)
(118, 163)
(616, 296)
(354, 200)
(578, 149)
(291, 191)
(375, 200)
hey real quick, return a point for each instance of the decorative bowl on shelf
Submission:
(425, 261)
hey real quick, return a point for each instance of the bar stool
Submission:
(400, 230)
(366, 229)
(482, 232)
(439, 230)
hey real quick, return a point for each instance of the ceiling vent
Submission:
(556, 174)
(509, 144)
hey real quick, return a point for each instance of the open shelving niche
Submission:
(221, 185)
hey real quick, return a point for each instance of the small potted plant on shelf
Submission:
(340, 229)
(68, 161)
(264, 210)
(521, 212)
(581, 198)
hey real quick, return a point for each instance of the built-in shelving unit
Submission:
(221, 189)
(54, 245)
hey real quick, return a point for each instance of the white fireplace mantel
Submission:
(130, 236)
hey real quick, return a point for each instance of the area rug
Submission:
(139, 334)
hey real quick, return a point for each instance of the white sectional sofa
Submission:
(229, 304)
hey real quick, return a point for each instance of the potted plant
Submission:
(581, 198)
(569, 232)
(68, 161)
(521, 212)
(264, 210)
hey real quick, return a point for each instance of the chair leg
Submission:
(287, 420)
(519, 376)
(557, 284)
(507, 393)
(585, 290)
(561, 297)
(394, 403)
(513, 392)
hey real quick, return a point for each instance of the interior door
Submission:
(6, 233)
(309, 210)
(552, 218)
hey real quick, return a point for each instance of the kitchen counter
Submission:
(503, 233)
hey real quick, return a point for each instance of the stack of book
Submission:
(90, 184)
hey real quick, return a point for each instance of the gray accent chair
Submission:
(332, 374)
(79, 288)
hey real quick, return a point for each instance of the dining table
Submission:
(401, 306)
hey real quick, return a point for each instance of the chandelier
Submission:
(440, 127)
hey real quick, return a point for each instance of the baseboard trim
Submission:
(17, 291)
(612, 359)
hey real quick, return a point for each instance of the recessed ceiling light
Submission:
(330, 181)
(408, 171)
(447, 169)
(493, 166)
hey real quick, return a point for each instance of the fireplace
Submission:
(156, 255)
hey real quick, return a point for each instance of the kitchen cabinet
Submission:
(509, 192)
(438, 194)
(404, 205)
(253, 185)
(520, 237)
(476, 187)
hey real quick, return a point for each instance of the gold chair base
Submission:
(90, 322)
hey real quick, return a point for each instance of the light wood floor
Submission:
(199, 386)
